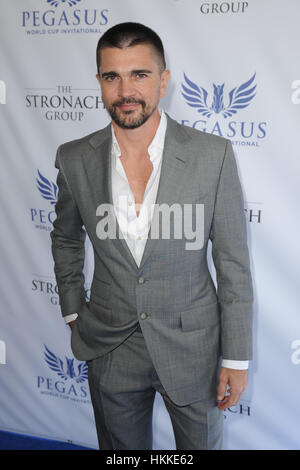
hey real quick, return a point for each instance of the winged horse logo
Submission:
(238, 98)
(47, 188)
(68, 372)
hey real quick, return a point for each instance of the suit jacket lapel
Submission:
(97, 164)
(171, 181)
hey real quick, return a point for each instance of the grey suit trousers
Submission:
(123, 384)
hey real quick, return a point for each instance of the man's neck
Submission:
(135, 142)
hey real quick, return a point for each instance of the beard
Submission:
(126, 119)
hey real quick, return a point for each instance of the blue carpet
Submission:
(12, 441)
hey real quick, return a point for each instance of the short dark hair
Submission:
(128, 35)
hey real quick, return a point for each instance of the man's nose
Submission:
(126, 87)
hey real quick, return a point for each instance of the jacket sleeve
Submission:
(68, 239)
(231, 260)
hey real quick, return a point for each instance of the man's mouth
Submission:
(128, 106)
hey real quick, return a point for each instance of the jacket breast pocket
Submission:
(200, 318)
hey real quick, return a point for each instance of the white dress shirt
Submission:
(135, 228)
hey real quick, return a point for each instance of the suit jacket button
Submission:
(144, 315)
(141, 280)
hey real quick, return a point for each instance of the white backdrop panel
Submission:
(49, 95)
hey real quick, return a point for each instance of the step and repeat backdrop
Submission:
(235, 72)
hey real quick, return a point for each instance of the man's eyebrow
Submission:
(106, 74)
(141, 71)
(115, 74)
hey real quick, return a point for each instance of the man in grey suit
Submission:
(155, 321)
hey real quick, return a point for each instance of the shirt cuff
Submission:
(239, 365)
(71, 317)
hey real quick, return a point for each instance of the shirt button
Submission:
(144, 315)
(141, 280)
(139, 238)
(130, 203)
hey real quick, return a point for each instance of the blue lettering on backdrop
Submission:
(66, 372)
(239, 98)
(36, 19)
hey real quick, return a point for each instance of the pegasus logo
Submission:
(68, 371)
(55, 3)
(238, 98)
(47, 189)
(43, 219)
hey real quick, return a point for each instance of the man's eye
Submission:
(141, 75)
(110, 78)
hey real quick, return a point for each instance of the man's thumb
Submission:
(221, 391)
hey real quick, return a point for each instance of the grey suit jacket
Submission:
(187, 323)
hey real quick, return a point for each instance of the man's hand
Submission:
(236, 380)
(71, 324)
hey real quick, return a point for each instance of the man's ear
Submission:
(165, 77)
